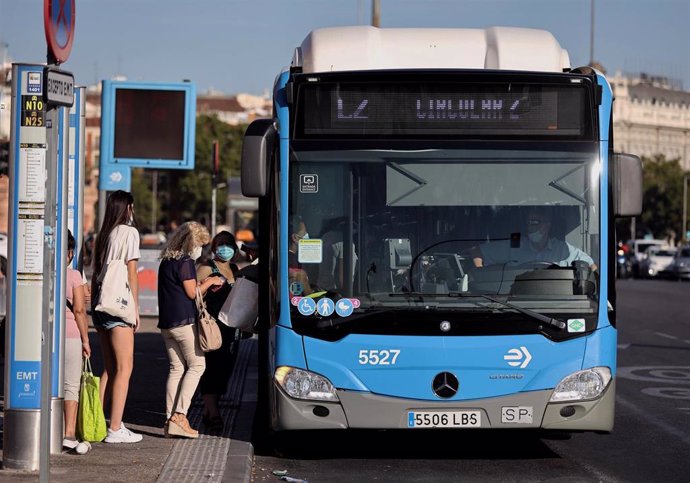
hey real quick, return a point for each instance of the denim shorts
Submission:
(106, 321)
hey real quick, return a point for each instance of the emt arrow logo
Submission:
(518, 357)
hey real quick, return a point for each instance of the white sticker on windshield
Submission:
(576, 325)
(310, 250)
(308, 183)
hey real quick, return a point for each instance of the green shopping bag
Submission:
(90, 418)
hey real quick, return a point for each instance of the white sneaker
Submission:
(83, 447)
(69, 443)
(122, 435)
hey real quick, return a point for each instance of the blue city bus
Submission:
(436, 233)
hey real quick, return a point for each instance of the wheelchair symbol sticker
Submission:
(325, 307)
(344, 307)
(306, 306)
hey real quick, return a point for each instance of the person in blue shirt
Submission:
(536, 245)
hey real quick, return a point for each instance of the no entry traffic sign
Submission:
(58, 18)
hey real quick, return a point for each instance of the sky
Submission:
(237, 46)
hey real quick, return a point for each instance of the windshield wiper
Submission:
(530, 313)
(331, 322)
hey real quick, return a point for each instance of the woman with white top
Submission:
(118, 236)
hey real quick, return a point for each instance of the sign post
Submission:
(58, 295)
(75, 190)
(23, 370)
(214, 186)
(59, 19)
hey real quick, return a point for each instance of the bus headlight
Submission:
(302, 384)
(582, 385)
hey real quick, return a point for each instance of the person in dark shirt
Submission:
(220, 362)
(177, 286)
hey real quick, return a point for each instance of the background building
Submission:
(651, 115)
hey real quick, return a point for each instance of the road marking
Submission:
(567, 454)
(672, 337)
(647, 416)
(623, 346)
(661, 334)
(668, 392)
(673, 375)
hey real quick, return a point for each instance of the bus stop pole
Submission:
(60, 254)
(684, 236)
(47, 318)
(214, 187)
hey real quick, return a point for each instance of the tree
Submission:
(186, 194)
(143, 196)
(663, 198)
(189, 192)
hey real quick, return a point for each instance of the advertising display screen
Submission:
(149, 124)
(436, 109)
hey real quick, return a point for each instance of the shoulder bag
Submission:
(210, 338)
(116, 295)
(241, 308)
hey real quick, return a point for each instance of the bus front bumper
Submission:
(522, 410)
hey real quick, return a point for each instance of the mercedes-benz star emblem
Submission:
(445, 385)
(445, 326)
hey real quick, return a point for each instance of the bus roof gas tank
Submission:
(339, 49)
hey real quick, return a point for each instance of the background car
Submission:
(656, 261)
(680, 267)
(638, 248)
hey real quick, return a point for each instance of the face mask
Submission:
(196, 253)
(536, 236)
(225, 252)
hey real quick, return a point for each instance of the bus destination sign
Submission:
(381, 110)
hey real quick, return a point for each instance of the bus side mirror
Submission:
(257, 149)
(626, 184)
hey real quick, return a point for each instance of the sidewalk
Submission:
(225, 457)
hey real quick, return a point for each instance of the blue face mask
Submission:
(225, 252)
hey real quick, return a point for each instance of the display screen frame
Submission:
(327, 123)
(172, 148)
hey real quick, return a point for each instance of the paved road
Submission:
(651, 439)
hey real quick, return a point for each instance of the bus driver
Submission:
(540, 246)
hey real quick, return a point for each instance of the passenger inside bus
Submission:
(332, 269)
(296, 273)
(535, 244)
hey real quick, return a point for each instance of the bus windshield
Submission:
(439, 228)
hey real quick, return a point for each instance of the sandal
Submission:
(214, 423)
(179, 426)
